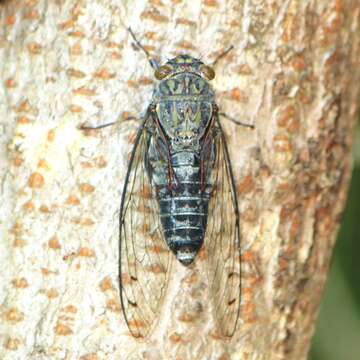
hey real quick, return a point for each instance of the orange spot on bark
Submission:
(36, 180)
(113, 305)
(184, 21)
(72, 200)
(149, 48)
(34, 48)
(63, 330)
(72, 309)
(10, 83)
(86, 188)
(44, 209)
(282, 143)
(248, 312)
(66, 24)
(18, 242)
(235, 23)
(175, 337)
(114, 55)
(54, 243)
(86, 252)
(101, 162)
(236, 94)
(106, 284)
(13, 315)
(125, 115)
(156, 2)
(76, 49)
(202, 254)
(31, 15)
(192, 279)
(132, 84)
(86, 222)
(113, 45)
(246, 186)
(77, 34)
(286, 116)
(52, 293)
(17, 161)
(46, 271)
(10, 20)
(43, 164)
(51, 135)
(224, 357)
(20, 283)
(187, 318)
(243, 69)
(84, 91)
(295, 227)
(154, 16)
(145, 81)
(185, 45)
(247, 256)
(75, 73)
(90, 356)
(12, 344)
(298, 63)
(16, 229)
(23, 120)
(24, 106)
(211, 3)
(75, 108)
(28, 206)
(104, 74)
(216, 335)
(151, 35)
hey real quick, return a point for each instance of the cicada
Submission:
(179, 195)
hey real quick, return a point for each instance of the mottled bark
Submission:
(294, 74)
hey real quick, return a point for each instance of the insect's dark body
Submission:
(181, 156)
(179, 195)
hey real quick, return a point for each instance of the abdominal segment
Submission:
(184, 207)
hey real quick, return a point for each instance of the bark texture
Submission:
(294, 74)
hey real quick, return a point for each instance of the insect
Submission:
(179, 195)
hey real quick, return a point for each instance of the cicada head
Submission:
(184, 64)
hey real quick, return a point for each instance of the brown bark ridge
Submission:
(294, 73)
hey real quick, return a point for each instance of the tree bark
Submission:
(294, 74)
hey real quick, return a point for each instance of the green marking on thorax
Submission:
(175, 117)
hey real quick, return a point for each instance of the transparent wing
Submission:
(144, 255)
(222, 242)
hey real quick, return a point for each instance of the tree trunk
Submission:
(294, 73)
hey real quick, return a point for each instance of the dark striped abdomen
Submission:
(184, 208)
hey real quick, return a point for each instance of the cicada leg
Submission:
(220, 56)
(153, 63)
(101, 126)
(237, 122)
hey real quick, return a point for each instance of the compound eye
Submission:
(208, 71)
(163, 71)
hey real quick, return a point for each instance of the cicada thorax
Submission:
(181, 157)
